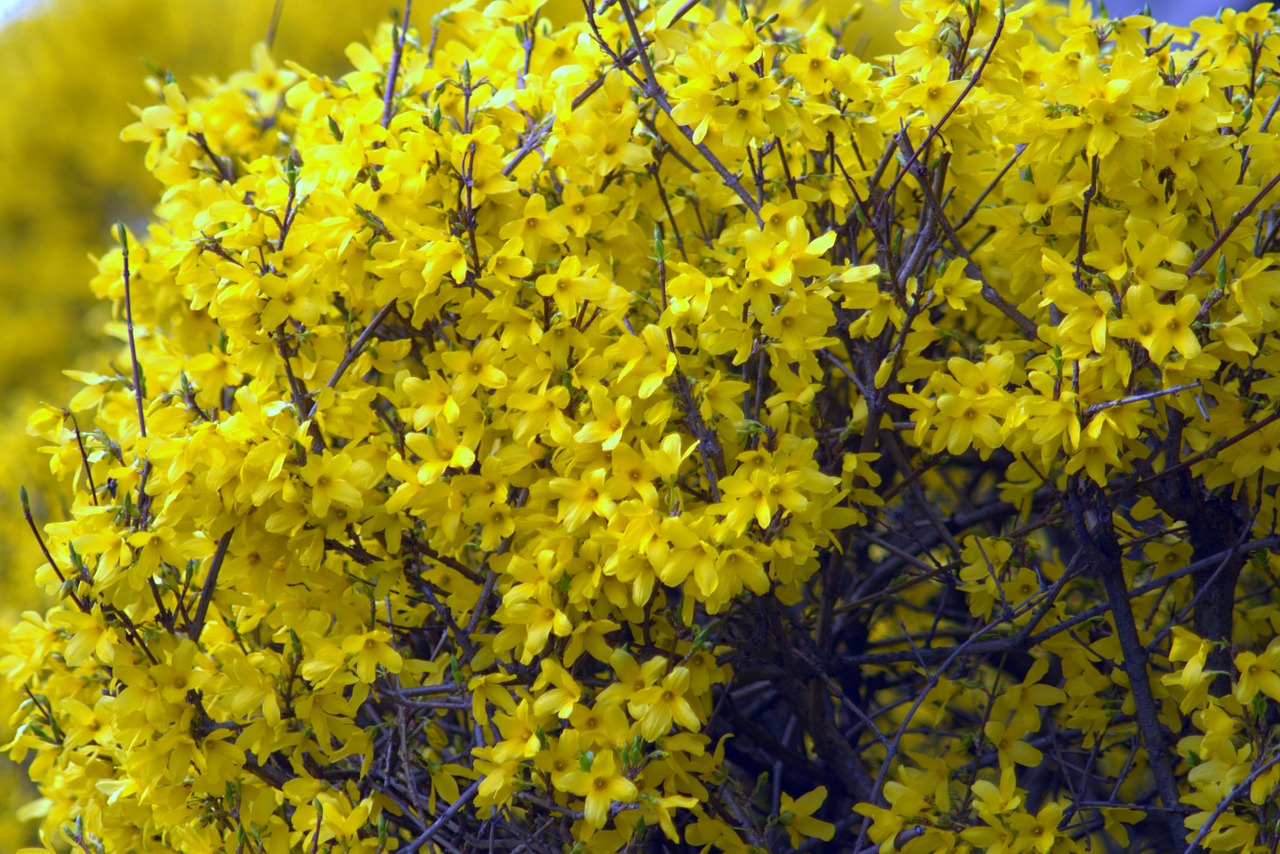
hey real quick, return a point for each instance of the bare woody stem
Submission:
(84, 456)
(351, 354)
(936, 129)
(1240, 790)
(223, 164)
(210, 585)
(85, 605)
(1091, 515)
(274, 26)
(1209, 452)
(876, 796)
(393, 72)
(1204, 256)
(532, 140)
(709, 447)
(139, 392)
(463, 799)
(1138, 398)
(989, 293)
(655, 91)
(35, 530)
(628, 55)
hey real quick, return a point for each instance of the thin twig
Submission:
(138, 391)
(934, 131)
(989, 293)
(463, 799)
(627, 56)
(1138, 398)
(351, 354)
(1241, 787)
(896, 743)
(532, 140)
(84, 456)
(654, 90)
(223, 164)
(1208, 251)
(274, 25)
(388, 96)
(35, 530)
(196, 625)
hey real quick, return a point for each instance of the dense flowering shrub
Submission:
(66, 181)
(68, 69)
(666, 428)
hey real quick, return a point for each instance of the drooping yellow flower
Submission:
(601, 784)
(1258, 673)
(796, 815)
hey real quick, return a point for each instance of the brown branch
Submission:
(138, 391)
(627, 56)
(1240, 789)
(196, 626)
(351, 354)
(1239, 217)
(933, 131)
(223, 164)
(1095, 530)
(989, 293)
(463, 799)
(655, 91)
(25, 501)
(393, 73)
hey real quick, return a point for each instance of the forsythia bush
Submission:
(67, 178)
(61, 114)
(664, 428)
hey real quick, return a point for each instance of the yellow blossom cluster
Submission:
(66, 179)
(663, 426)
(62, 115)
